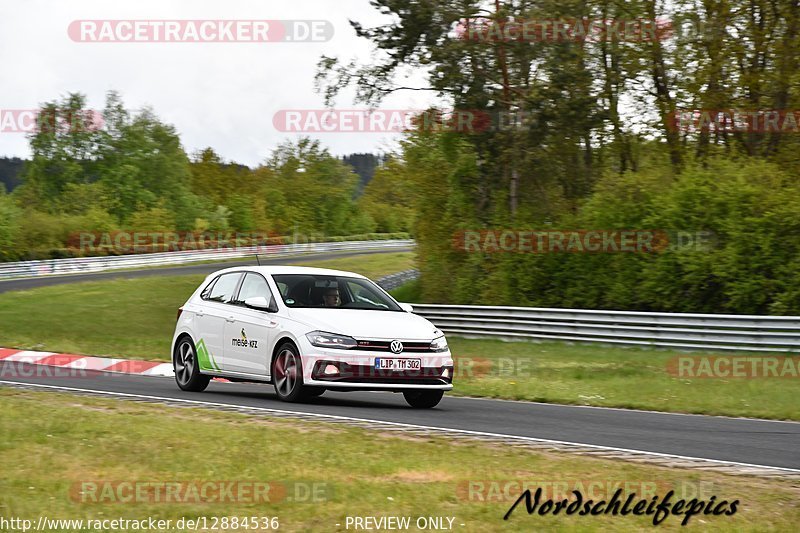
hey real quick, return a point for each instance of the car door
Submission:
(215, 308)
(252, 331)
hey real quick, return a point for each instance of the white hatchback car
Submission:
(326, 329)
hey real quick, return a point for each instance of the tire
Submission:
(186, 367)
(287, 374)
(423, 399)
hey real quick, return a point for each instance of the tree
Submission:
(10, 170)
(389, 199)
(309, 190)
(64, 146)
(10, 216)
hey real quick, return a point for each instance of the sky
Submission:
(218, 94)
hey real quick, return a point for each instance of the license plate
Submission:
(388, 363)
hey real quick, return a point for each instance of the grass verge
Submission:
(611, 376)
(52, 443)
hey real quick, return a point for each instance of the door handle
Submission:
(272, 324)
(231, 319)
(199, 313)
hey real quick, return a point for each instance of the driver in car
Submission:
(331, 297)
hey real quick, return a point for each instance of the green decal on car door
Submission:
(205, 358)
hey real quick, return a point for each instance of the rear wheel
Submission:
(287, 375)
(423, 399)
(187, 370)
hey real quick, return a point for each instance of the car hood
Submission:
(363, 324)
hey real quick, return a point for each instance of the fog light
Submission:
(446, 373)
(331, 370)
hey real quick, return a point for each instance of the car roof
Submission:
(281, 269)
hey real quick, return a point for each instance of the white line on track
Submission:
(409, 426)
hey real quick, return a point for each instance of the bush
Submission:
(750, 265)
(10, 219)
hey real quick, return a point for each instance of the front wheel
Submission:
(186, 367)
(423, 399)
(287, 374)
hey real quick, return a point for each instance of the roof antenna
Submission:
(257, 261)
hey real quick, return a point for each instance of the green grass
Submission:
(129, 317)
(370, 265)
(407, 292)
(50, 442)
(611, 376)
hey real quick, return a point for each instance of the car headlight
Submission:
(322, 339)
(439, 345)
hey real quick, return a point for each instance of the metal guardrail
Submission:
(669, 330)
(83, 265)
(392, 281)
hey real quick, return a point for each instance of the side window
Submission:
(356, 290)
(253, 285)
(363, 296)
(207, 290)
(223, 289)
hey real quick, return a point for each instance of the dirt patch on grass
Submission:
(427, 476)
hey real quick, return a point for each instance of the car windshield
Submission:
(309, 290)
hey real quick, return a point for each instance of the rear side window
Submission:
(223, 289)
(207, 290)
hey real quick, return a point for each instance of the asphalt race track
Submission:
(737, 440)
(740, 440)
(198, 268)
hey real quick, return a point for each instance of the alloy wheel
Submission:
(184, 363)
(286, 372)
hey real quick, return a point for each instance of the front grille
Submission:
(383, 346)
(393, 381)
(369, 374)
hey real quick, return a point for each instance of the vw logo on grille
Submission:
(396, 346)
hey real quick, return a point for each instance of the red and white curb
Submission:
(85, 362)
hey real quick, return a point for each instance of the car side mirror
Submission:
(261, 303)
(408, 308)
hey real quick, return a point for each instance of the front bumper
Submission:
(345, 369)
